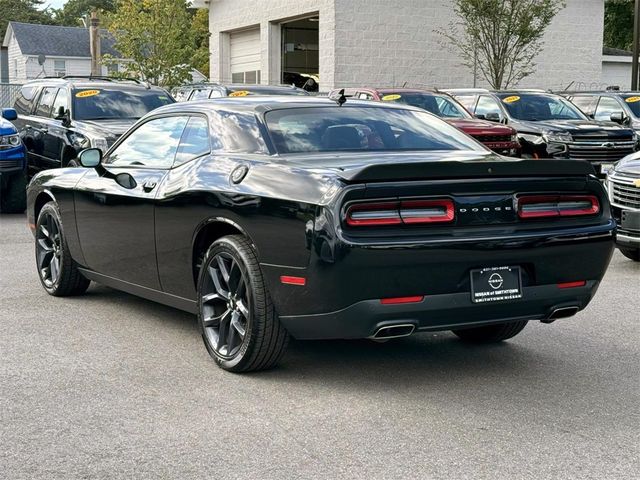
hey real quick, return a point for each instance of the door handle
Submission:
(148, 185)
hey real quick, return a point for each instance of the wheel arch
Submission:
(42, 199)
(208, 232)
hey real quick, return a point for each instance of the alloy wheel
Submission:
(49, 250)
(225, 305)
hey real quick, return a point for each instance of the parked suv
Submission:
(612, 105)
(549, 126)
(13, 166)
(202, 91)
(59, 117)
(623, 184)
(499, 138)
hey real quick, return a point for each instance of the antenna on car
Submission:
(340, 99)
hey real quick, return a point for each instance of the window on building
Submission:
(59, 68)
(112, 68)
(252, 77)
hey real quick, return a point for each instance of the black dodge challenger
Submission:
(270, 217)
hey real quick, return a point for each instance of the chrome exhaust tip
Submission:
(393, 331)
(562, 312)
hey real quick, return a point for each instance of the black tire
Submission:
(631, 253)
(58, 272)
(491, 333)
(14, 195)
(236, 317)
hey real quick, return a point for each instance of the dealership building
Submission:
(382, 43)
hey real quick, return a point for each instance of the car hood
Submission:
(629, 164)
(6, 127)
(574, 127)
(474, 126)
(109, 128)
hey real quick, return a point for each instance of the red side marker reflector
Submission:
(293, 280)
(398, 300)
(581, 283)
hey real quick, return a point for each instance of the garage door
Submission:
(245, 56)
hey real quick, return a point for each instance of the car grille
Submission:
(493, 138)
(624, 193)
(600, 149)
(10, 164)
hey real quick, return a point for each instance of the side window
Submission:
(215, 94)
(585, 103)
(24, 102)
(365, 96)
(61, 101)
(488, 105)
(200, 94)
(194, 142)
(467, 101)
(153, 144)
(606, 107)
(46, 102)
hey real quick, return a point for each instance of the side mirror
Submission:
(493, 117)
(481, 116)
(617, 117)
(9, 114)
(63, 114)
(90, 157)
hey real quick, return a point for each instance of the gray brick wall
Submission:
(378, 42)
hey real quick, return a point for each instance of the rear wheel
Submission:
(58, 272)
(237, 320)
(631, 253)
(491, 333)
(14, 196)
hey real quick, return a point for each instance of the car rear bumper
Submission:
(438, 312)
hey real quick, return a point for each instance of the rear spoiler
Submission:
(466, 169)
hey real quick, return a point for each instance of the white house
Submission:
(376, 42)
(64, 51)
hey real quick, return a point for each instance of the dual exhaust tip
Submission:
(394, 331)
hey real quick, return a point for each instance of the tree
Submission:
(200, 23)
(618, 24)
(156, 36)
(72, 12)
(28, 11)
(501, 37)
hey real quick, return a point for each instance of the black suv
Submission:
(202, 91)
(59, 117)
(549, 126)
(613, 105)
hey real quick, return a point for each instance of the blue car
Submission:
(13, 166)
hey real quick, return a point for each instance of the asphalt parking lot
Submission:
(112, 386)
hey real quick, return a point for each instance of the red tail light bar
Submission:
(544, 206)
(408, 212)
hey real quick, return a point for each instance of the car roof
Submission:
(88, 82)
(240, 86)
(257, 104)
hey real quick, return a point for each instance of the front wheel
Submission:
(491, 333)
(58, 272)
(631, 253)
(237, 320)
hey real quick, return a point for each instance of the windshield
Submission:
(633, 102)
(332, 129)
(116, 103)
(538, 107)
(439, 105)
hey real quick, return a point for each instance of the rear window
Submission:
(330, 129)
(110, 103)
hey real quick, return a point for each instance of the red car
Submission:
(499, 138)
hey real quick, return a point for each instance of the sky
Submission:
(54, 3)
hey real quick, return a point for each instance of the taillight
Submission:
(408, 212)
(544, 206)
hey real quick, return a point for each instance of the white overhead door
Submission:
(245, 56)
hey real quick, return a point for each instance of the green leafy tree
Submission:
(156, 36)
(27, 11)
(618, 24)
(200, 25)
(72, 12)
(500, 37)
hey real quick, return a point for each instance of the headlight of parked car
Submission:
(10, 140)
(557, 137)
(514, 137)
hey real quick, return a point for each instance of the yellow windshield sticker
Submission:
(87, 93)
(163, 97)
(239, 93)
(511, 99)
(632, 99)
(391, 98)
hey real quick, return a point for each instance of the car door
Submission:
(115, 217)
(41, 144)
